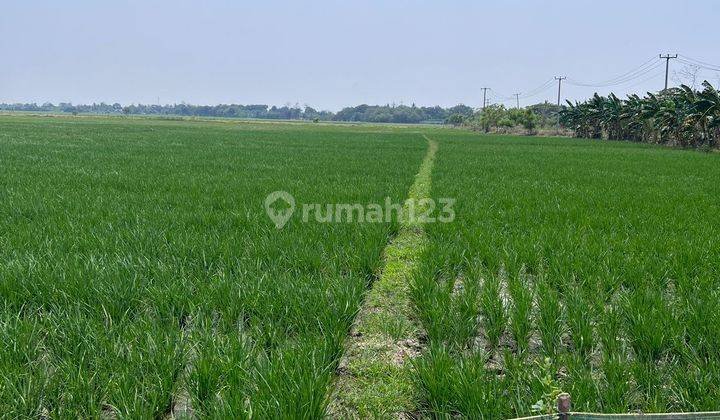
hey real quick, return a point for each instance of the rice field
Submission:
(582, 266)
(141, 277)
(137, 263)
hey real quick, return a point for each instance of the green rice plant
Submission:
(466, 305)
(493, 310)
(134, 366)
(581, 383)
(289, 382)
(447, 303)
(691, 385)
(549, 317)
(436, 386)
(430, 292)
(580, 315)
(609, 331)
(650, 380)
(453, 385)
(522, 387)
(220, 374)
(698, 313)
(477, 389)
(23, 366)
(521, 293)
(615, 391)
(648, 323)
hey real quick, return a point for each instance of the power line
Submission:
(688, 60)
(619, 82)
(493, 97)
(623, 82)
(633, 74)
(544, 87)
(539, 89)
(667, 58)
(657, 74)
(631, 78)
(625, 76)
(698, 65)
(501, 95)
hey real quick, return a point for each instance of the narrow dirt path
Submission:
(373, 375)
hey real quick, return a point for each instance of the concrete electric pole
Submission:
(667, 58)
(559, 79)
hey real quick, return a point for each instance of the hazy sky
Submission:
(329, 54)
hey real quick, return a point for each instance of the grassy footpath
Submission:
(374, 379)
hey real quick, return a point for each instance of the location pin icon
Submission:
(282, 215)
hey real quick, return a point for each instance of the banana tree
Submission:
(679, 115)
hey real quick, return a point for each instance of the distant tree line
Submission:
(401, 114)
(679, 116)
(226, 111)
(361, 113)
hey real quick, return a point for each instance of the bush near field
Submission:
(496, 118)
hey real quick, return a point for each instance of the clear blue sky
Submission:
(329, 54)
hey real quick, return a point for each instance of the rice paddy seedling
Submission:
(431, 292)
(648, 323)
(549, 318)
(649, 379)
(521, 315)
(609, 330)
(446, 300)
(458, 385)
(521, 384)
(616, 390)
(434, 384)
(579, 315)
(581, 383)
(493, 309)
(476, 386)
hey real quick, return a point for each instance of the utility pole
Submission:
(484, 89)
(667, 58)
(517, 100)
(559, 79)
